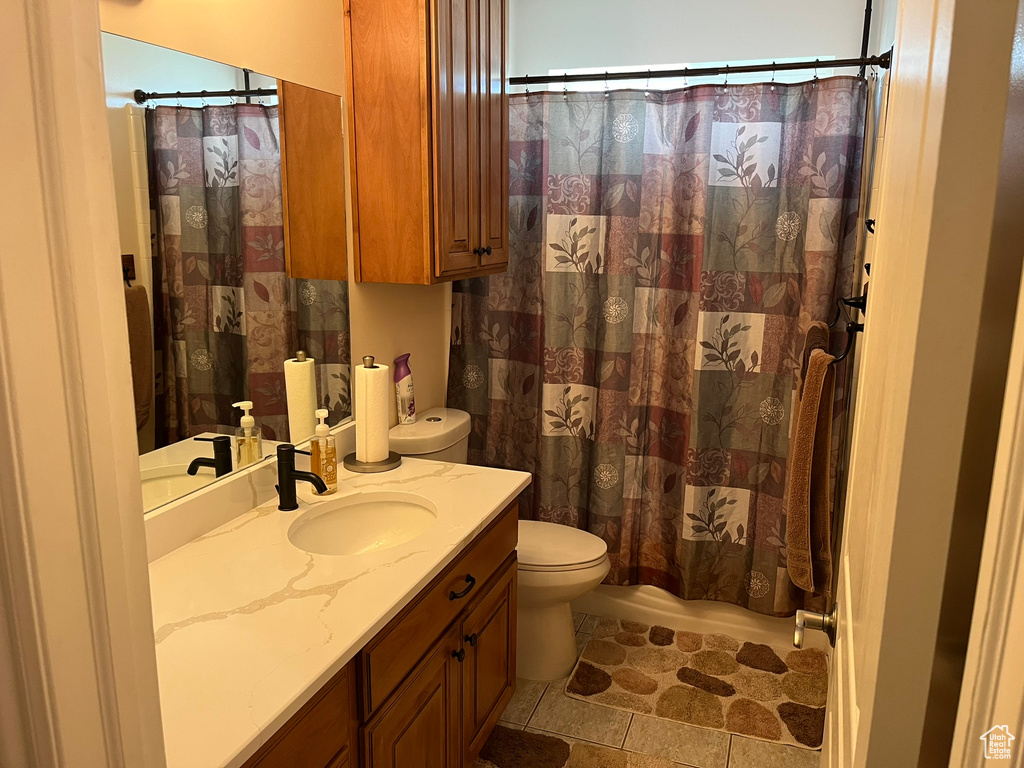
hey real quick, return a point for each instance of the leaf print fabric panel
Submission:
(639, 356)
(225, 312)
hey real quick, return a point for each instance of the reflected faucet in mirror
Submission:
(221, 461)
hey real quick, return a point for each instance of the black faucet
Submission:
(221, 461)
(287, 474)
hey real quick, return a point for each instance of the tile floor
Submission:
(544, 707)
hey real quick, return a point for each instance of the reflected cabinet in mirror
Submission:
(231, 214)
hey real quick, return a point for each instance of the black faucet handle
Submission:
(218, 440)
(221, 455)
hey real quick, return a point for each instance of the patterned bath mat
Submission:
(712, 681)
(509, 748)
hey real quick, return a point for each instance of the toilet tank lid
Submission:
(433, 430)
(550, 544)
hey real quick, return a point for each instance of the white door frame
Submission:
(78, 683)
(911, 456)
(993, 683)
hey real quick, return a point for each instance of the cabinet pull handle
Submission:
(487, 250)
(471, 639)
(459, 655)
(470, 583)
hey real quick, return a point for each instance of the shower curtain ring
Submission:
(815, 83)
(607, 93)
(647, 85)
(773, 77)
(725, 86)
(527, 87)
(565, 87)
(202, 98)
(686, 71)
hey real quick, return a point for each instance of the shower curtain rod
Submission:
(141, 97)
(882, 61)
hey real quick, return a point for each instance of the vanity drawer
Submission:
(397, 648)
(323, 733)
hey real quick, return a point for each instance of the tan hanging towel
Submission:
(808, 499)
(817, 338)
(140, 347)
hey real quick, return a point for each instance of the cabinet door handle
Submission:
(459, 655)
(471, 639)
(478, 251)
(470, 583)
(487, 250)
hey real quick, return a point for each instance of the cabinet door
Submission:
(493, 133)
(489, 669)
(456, 137)
(313, 182)
(419, 727)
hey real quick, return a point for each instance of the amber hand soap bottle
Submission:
(324, 453)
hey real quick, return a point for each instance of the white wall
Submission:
(883, 24)
(566, 34)
(129, 64)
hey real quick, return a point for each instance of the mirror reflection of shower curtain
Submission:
(226, 314)
(668, 253)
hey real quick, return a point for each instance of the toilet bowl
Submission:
(557, 564)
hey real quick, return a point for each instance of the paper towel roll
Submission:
(373, 398)
(300, 386)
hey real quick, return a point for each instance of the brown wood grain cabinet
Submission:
(428, 689)
(313, 182)
(428, 119)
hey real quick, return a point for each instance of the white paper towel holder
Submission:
(353, 464)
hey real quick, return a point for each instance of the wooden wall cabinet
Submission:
(428, 126)
(428, 689)
(313, 182)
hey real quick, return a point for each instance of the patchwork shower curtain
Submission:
(226, 314)
(639, 357)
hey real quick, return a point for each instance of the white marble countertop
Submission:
(248, 626)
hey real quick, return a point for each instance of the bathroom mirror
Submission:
(214, 303)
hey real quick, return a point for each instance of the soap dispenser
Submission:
(324, 453)
(248, 445)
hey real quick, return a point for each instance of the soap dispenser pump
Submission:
(248, 444)
(324, 453)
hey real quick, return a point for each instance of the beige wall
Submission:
(296, 41)
(303, 47)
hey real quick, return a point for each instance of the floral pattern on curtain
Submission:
(226, 313)
(640, 355)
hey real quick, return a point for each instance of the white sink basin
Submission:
(362, 523)
(171, 481)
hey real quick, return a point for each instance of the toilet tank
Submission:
(440, 434)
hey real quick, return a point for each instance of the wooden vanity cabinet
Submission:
(428, 118)
(489, 667)
(322, 734)
(428, 689)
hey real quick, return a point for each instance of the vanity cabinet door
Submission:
(419, 726)
(489, 667)
(456, 148)
(493, 106)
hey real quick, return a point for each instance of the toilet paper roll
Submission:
(373, 397)
(300, 386)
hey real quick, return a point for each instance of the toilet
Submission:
(557, 564)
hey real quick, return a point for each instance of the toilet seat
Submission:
(554, 548)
